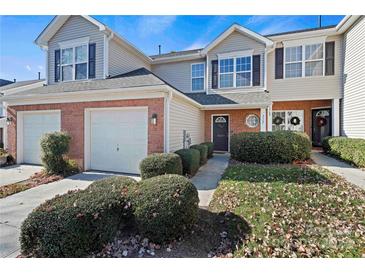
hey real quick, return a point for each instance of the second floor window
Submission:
(197, 76)
(293, 62)
(74, 63)
(235, 72)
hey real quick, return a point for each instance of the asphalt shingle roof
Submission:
(175, 53)
(247, 98)
(20, 84)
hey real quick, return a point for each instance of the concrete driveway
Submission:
(15, 208)
(17, 173)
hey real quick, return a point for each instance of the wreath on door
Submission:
(278, 120)
(321, 122)
(295, 120)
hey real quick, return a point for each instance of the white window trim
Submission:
(285, 120)
(74, 63)
(191, 77)
(234, 57)
(303, 61)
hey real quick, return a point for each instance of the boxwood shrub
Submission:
(203, 150)
(79, 222)
(159, 164)
(210, 148)
(190, 160)
(165, 207)
(351, 150)
(270, 147)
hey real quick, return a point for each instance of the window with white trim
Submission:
(235, 72)
(314, 60)
(243, 71)
(226, 73)
(293, 62)
(74, 63)
(288, 120)
(197, 76)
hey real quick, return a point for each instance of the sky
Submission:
(20, 58)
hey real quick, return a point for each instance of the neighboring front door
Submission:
(321, 125)
(220, 132)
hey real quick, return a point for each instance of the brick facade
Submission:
(307, 106)
(72, 121)
(237, 118)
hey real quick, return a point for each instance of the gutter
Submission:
(346, 23)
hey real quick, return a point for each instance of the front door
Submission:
(321, 125)
(220, 132)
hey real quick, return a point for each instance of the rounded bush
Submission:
(270, 147)
(159, 164)
(79, 222)
(203, 150)
(190, 160)
(165, 207)
(210, 148)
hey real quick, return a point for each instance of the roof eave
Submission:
(235, 106)
(346, 23)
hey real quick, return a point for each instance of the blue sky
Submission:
(20, 58)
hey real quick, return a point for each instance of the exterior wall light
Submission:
(154, 119)
(9, 120)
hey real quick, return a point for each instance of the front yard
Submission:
(293, 212)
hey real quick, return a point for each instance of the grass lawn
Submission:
(293, 212)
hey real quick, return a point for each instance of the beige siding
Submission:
(177, 74)
(307, 88)
(184, 116)
(353, 120)
(77, 27)
(122, 60)
(237, 42)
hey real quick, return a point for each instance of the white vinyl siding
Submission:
(122, 60)
(177, 74)
(353, 107)
(184, 116)
(307, 88)
(74, 28)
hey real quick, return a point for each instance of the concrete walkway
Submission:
(208, 176)
(17, 173)
(351, 174)
(15, 208)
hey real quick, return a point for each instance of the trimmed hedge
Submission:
(203, 150)
(77, 223)
(190, 160)
(351, 150)
(210, 148)
(270, 147)
(165, 207)
(159, 164)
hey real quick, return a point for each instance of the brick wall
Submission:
(72, 121)
(237, 120)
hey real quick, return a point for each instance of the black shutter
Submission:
(279, 63)
(214, 74)
(330, 58)
(256, 70)
(92, 63)
(57, 65)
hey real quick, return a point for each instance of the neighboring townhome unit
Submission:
(119, 105)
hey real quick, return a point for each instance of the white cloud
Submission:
(40, 67)
(196, 45)
(287, 24)
(28, 67)
(148, 25)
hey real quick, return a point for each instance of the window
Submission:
(74, 63)
(288, 120)
(226, 71)
(293, 62)
(235, 72)
(314, 60)
(197, 76)
(252, 120)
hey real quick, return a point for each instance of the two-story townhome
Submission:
(119, 105)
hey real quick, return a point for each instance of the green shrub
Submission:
(159, 164)
(1, 145)
(203, 150)
(270, 147)
(351, 150)
(210, 148)
(165, 207)
(54, 148)
(190, 160)
(77, 223)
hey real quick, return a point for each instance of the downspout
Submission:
(167, 101)
(207, 75)
(107, 38)
(45, 49)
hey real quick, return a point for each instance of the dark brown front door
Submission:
(321, 125)
(220, 132)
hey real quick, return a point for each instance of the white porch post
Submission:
(263, 119)
(336, 117)
(269, 118)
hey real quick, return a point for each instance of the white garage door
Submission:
(35, 125)
(118, 140)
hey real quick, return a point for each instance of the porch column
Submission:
(269, 118)
(335, 117)
(263, 119)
